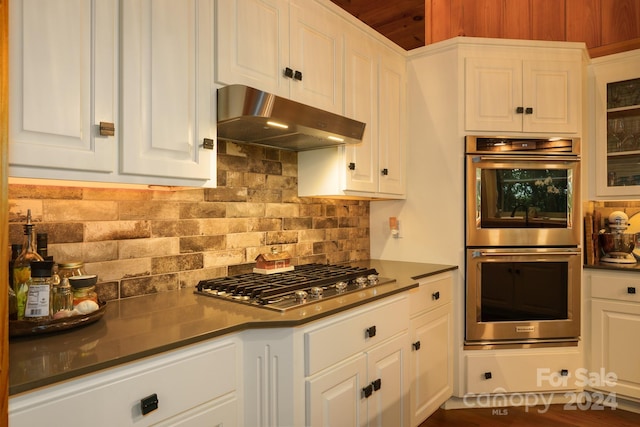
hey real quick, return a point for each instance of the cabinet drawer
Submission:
(344, 335)
(181, 379)
(618, 286)
(508, 373)
(430, 294)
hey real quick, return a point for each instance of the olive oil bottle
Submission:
(22, 266)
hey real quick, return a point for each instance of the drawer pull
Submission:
(367, 391)
(631, 290)
(370, 332)
(564, 373)
(435, 296)
(377, 384)
(416, 345)
(149, 404)
(487, 375)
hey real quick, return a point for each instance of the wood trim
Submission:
(615, 48)
(4, 211)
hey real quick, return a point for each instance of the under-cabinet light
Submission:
(335, 138)
(278, 125)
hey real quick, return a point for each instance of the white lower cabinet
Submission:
(615, 332)
(187, 390)
(431, 356)
(368, 389)
(349, 369)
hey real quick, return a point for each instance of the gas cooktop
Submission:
(305, 284)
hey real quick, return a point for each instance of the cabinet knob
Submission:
(564, 372)
(370, 332)
(487, 375)
(435, 296)
(528, 110)
(520, 110)
(384, 172)
(352, 166)
(297, 75)
(288, 72)
(416, 345)
(377, 384)
(208, 144)
(631, 290)
(107, 129)
(149, 404)
(367, 391)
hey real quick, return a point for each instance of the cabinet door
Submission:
(334, 397)
(493, 91)
(431, 362)
(388, 405)
(553, 91)
(252, 44)
(615, 345)
(361, 101)
(316, 44)
(63, 81)
(616, 115)
(168, 95)
(391, 119)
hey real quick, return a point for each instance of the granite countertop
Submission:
(612, 266)
(138, 327)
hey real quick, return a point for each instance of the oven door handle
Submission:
(499, 157)
(523, 253)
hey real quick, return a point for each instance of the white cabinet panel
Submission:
(63, 81)
(254, 57)
(167, 88)
(334, 398)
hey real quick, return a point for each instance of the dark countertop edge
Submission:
(434, 273)
(434, 269)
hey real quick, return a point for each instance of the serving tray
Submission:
(20, 328)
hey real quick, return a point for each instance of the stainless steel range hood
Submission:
(249, 115)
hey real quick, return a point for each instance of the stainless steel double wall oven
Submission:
(523, 234)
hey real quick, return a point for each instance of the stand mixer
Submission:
(617, 245)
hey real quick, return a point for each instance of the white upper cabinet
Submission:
(168, 93)
(615, 125)
(391, 123)
(521, 94)
(63, 81)
(290, 48)
(375, 93)
(112, 91)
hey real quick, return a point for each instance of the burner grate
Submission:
(267, 290)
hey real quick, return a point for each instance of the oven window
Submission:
(523, 198)
(520, 291)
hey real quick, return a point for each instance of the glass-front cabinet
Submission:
(617, 117)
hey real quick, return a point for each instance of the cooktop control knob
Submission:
(341, 287)
(301, 296)
(372, 279)
(315, 292)
(361, 282)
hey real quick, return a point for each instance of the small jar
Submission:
(83, 294)
(61, 298)
(71, 268)
(84, 288)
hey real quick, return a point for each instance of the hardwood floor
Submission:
(556, 416)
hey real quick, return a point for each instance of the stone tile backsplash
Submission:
(146, 241)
